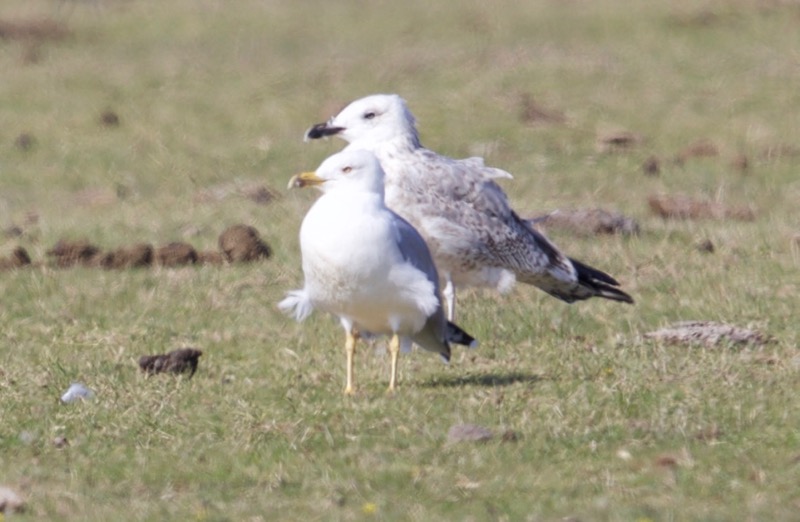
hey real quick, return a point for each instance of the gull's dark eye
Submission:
(369, 115)
(347, 170)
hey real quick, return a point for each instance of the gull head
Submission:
(353, 170)
(370, 121)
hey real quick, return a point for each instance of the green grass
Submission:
(610, 425)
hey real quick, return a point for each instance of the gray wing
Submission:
(433, 335)
(414, 249)
(464, 207)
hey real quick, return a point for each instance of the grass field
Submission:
(592, 420)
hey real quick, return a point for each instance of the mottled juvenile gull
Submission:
(367, 265)
(465, 217)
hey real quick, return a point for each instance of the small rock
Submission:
(60, 442)
(177, 361)
(76, 392)
(469, 433)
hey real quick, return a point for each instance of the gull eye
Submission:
(369, 115)
(347, 170)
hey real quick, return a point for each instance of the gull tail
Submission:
(455, 334)
(599, 283)
(297, 304)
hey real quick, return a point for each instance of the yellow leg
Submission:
(350, 350)
(394, 351)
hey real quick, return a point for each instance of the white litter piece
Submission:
(75, 392)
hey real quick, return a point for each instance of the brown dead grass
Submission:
(703, 148)
(681, 206)
(532, 112)
(36, 30)
(255, 192)
(210, 257)
(708, 334)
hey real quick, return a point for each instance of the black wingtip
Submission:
(458, 336)
(603, 284)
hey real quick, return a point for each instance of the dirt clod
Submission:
(176, 254)
(706, 246)
(25, 141)
(242, 243)
(68, 253)
(652, 166)
(109, 118)
(18, 258)
(134, 256)
(591, 221)
(177, 361)
(259, 194)
(617, 141)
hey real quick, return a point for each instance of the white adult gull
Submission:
(474, 235)
(367, 265)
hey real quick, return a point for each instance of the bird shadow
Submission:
(485, 380)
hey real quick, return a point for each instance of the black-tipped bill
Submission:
(322, 130)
